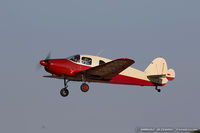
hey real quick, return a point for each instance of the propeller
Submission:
(46, 60)
(47, 57)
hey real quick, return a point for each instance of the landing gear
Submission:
(64, 91)
(159, 90)
(84, 87)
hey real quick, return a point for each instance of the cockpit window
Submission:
(75, 58)
(101, 62)
(86, 60)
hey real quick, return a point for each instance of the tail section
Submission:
(158, 71)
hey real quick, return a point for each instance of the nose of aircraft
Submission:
(42, 62)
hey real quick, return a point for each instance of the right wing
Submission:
(108, 70)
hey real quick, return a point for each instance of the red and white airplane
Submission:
(88, 68)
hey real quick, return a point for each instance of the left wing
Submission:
(108, 70)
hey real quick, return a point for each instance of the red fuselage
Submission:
(62, 67)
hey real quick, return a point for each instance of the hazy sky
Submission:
(140, 30)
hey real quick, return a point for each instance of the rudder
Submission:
(157, 67)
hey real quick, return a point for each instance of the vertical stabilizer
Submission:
(157, 67)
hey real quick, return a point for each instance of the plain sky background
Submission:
(137, 29)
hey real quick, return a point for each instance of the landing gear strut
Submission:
(64, 91)
(157, 89)
(84, 87)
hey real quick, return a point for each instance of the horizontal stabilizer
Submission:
(157, 76)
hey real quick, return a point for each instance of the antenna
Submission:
(100, 52)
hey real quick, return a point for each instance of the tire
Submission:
(64, 92)
(84, 87)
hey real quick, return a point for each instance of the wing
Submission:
(108, 70)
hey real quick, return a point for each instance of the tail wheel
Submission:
(159, 90)
(64, 92)
(84, 87)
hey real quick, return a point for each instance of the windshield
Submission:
(75, 58)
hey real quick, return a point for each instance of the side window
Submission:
(101, 62)
(86, 60)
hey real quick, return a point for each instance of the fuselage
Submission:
(72, 65)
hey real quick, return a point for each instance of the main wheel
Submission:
(84, 87)
(64, 92)
(159, 90)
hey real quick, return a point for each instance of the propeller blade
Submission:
(48, 56)
(46, 60)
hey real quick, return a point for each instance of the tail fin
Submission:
(158, 70)
(157, 67)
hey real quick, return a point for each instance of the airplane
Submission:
(89, 68)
